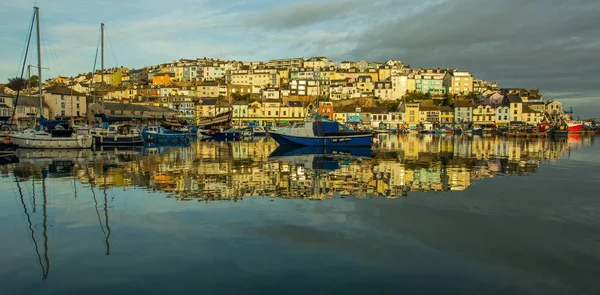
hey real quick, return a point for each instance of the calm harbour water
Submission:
(418, 215)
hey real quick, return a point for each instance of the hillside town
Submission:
(279, 92)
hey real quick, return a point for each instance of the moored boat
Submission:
(319, 131)
(574, 126)
(161, 134)
(117, 134)
(53, 134)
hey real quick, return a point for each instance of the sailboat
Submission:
(49, 134)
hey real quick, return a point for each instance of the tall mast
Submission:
(102, 61)
(39, 56)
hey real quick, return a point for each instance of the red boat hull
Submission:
(574, 127)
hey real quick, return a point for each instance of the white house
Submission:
(463, 111)
(65, 102)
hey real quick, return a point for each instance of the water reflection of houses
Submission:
(399, 165)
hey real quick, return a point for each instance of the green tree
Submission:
(17, 84)
(33, 81)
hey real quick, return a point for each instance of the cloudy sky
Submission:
(550, 44)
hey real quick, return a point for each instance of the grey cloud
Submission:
(304, 14)
(548, 44)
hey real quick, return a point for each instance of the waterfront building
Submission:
(325, 109)
(64, 102)
(141, 113)
(531, 116)
(184, 106)
(502, 115)
(484, 114)
(411, 114)
(516, 107)
(458, 82)
(463, 111)
(205, 108)
(446, 115)
(429, 114)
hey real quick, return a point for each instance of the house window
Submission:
(269, 113)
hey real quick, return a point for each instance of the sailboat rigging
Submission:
(49, 134)
(114, 131)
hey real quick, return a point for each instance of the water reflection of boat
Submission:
(341, 151)
(118, 148)
(157, 148)
(47, 156)
(318, 158)
(8, 159)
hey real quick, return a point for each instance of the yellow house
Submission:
(327, 74)
(531, 116)
(516, 108)
(272, 108)
(241, 77)
(296, 109)
(457, 82)
(264, 78)
(484, 114)
(208, 89)
(365, 84)
(385, 73)
(60, 80)
(411, 113)
(340, 117)
(255, 110)
(205, 108)
(162, 79)
(410, 85)
(373, 73)
(447, 115)
(115, 78)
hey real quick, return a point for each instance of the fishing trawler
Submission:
(319, 131)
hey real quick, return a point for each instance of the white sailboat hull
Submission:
(47, 142)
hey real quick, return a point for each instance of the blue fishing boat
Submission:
(160, 134)
(319, 131)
